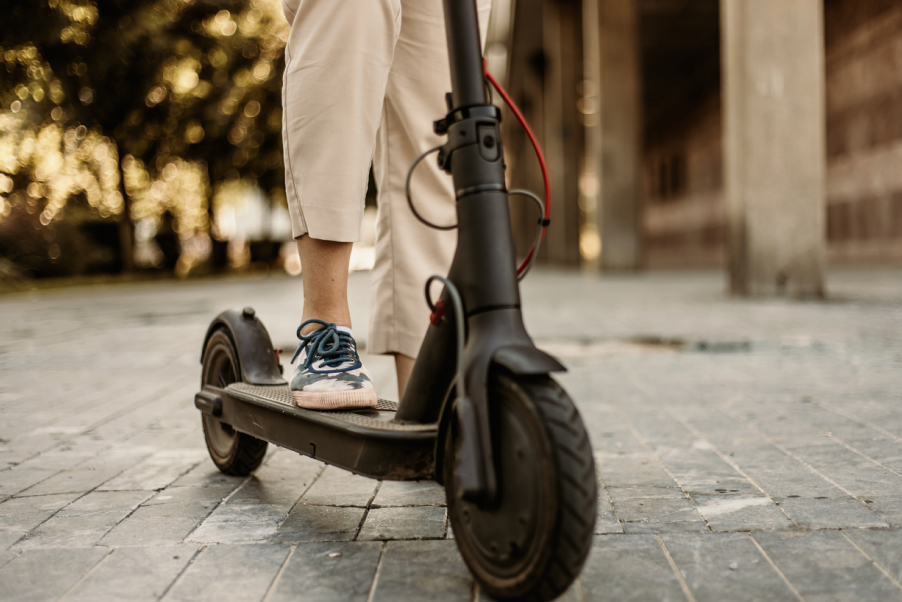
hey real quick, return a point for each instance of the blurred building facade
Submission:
(763, 136)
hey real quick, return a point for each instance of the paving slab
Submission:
(619, 471)
(337, 487)
(205, 474)
(629, 567)
(778, 421)
(573, 594)
(134, 574)
(824, 564)
(606, 520)
(75, 480)
(324, 572)
(644, 492)
(888, 509)
(417, 522)
(737, 512)
(84, 522)
(656, 510)
(310, 523)
(828, 513)
(20, 478)
(156, 472)
(8, 538)
(882, 546)
(411, 568)
(203, 495)
(258, 507)
(240, 523)
(688, 526)
(158, 524)
(725, 566)
(409, 493)
(230, 572)
(40, 575)
(26, 513)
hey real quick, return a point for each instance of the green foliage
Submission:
(175, 93)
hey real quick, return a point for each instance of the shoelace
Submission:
(334, 347)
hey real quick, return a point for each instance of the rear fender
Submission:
(256, 356)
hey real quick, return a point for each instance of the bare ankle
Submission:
(329, 317)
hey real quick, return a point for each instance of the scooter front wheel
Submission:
(234, 453)
(531, 542)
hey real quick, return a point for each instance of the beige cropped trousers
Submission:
(364, 80)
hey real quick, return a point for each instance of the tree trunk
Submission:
(126, 229)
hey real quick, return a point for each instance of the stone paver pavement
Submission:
(746, 450)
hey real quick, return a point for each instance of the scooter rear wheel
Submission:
(234, 453)
(531, 543)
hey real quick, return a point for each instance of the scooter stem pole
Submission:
(465, 53)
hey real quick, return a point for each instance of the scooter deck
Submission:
(365, 441)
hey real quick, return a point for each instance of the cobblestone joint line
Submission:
(676, 570)
(774, 566)
(879, 566)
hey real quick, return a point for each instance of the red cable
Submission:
(535, 144)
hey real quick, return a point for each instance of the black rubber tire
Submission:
(234, 453)
(563, 490)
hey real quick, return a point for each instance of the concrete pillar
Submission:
(614, 141)
(774, 145)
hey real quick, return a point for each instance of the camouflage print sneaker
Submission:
(330, 375)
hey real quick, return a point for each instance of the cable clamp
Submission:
(438, 312)
(544, 222)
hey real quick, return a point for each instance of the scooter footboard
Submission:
(365, 442)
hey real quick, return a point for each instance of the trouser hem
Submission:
(389, 341)
(323, 223)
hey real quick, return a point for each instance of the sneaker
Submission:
(330, 375)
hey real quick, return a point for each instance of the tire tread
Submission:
(577, 486)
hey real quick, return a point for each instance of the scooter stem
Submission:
(465, 53)
(483, 271)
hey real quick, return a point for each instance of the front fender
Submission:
(520, 359)
(256, 356)
(526, 360)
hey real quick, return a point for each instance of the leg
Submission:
(329, 375)
(403, 368)
(325, 269)
(337, 62)
(325, 266)
(407, 252)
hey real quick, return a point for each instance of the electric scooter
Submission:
(480, 415)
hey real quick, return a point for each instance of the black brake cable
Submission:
(538, 243)
(459, 324)
(526, 193)
(410, 200)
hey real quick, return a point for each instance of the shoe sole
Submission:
(336, 400)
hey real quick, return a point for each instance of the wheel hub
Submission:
(506, 533)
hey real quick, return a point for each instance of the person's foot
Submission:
(330, 375)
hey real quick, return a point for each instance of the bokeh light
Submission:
(123, 114)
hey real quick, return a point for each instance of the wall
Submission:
(864, 130)
(683, 188)
(682, 179)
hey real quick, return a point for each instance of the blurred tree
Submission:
(178, 93)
